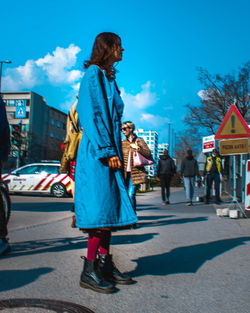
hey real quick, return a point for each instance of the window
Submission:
(52, 121)
(11, 103)
(10, 115)
(58, 136)
(51, 135)
(50, 169)
(34, 169)
(63, 137)
(21, 102)
(25, 128)
(58, 124)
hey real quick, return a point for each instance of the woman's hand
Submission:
(134, 146)
(114, 162)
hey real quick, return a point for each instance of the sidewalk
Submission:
(184, 259)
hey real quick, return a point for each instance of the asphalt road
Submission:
(184, 259)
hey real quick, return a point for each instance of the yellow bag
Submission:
(73, 135)
(64, 166)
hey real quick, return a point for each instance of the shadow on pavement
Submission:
(148, 208)
(67, 244)
(186, 259)
(13, 279)
(156, 217)
(172, 221)
(42, 207)
(127, 239)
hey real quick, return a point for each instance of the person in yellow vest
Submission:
(213, 171)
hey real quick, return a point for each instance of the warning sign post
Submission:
(234, 135)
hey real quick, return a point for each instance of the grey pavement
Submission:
(184, 259)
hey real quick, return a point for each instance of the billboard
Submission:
(208, 144)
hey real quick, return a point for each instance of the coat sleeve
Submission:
(173, 167)
(205, 168)
(197, 169)
(144, 149)
(94, 112)
(182, 167)
(158, 168)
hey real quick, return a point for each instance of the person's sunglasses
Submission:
(125, 128)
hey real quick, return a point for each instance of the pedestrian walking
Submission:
(165, 171)
(102, 203)
(4, 152)
(133, 175)
(213, 170)
(189, 170)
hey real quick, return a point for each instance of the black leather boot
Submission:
(110, 272)
(91, 278)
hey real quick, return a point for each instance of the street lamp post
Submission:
(1, 69)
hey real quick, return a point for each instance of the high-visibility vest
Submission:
(210, 164)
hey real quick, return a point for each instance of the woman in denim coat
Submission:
(101, 199)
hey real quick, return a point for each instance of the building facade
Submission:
(151, 139)
(42, 127)
(161, 148)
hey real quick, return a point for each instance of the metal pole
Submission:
(169, 138)
(172, 142)
(234, 179)
(20, 146)
(175, 143)
(1, 69)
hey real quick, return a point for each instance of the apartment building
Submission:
(161, 148)
(42, 127)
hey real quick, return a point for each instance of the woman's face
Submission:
(126, 130)
(117, 52)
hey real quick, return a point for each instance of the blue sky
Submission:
(164, 42)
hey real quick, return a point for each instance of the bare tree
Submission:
(187, 139)
(218, 95)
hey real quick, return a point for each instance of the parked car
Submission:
(39, 178)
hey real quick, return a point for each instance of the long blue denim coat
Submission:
(101, 199)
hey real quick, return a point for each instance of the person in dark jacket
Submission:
(165, 171)
(189, 169)
(4, 151)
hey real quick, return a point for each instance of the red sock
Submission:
(105, 242)
(94, 240)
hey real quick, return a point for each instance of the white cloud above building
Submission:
(55, 68)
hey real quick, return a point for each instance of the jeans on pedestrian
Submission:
(216, 178)
(165, 181)
(189, 188)
(131, 190)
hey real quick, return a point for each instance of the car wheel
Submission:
(58, 190)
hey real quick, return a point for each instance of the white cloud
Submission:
(141, 100)
(135, 104)
(70, 98)
(205, 94)
(154, 120)
(136, 108)
(55, 68)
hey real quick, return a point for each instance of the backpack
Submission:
(72, 139)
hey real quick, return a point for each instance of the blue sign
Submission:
(20, 109)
